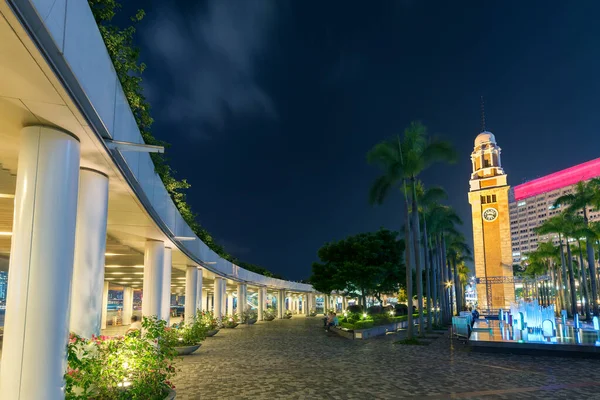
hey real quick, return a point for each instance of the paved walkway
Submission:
(296, 359)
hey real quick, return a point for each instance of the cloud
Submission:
(204, 62)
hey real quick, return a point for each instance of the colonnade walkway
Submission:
(297, 359)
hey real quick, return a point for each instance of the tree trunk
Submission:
(434, 279)
(426, 260)
(592, 265)
(416, 230)
(564, 277)
(571, 279)
(457, 288)
(584, 288)
(408, 260)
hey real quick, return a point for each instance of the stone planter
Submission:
(251, 321)
(171, 395)
(287, 316)
(271, 318)
(230, 326)
(185, 350)
(212, 332)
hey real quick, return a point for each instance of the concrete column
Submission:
(218, 294)
(165, 305)
(199, 295)
(305, 309)
(205, 305)
(127, 305)
(223, 297)
(90, 245)
(211, 302)
(262, 298)
(280, 303)
(104, 308)
(344, 303)
(41, 265)
(153, 278)
(191, 280)
(240, 300)
(230, 303)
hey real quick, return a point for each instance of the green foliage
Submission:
(364, 324)
(136, 366)
(367, 263)
(186, 334)
(410, 341)
(231, 321)
(125, 57)
(208, 320)
(269, 314)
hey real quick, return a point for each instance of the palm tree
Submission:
(427, 199)
(585, 195)
(442, 221)
(550, 254)
(458, 251)
(402, 161)
(556, 225)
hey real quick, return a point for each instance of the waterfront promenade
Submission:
(296, 359)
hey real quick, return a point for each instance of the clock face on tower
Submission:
(490, 214)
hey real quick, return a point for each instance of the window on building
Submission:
(493, 198)
(483, 200)
(521, 203)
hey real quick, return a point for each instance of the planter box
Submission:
(212, 332)
(171, 395)
(230, 326)
(380, 330)
(287, 316)
(251, 321)
(269, 318)
(185, 350)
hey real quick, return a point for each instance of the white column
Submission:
(104, 307)
(217, 298)
(90, 245)
(153, 274)
(280, 303)
(41, 265)
(165, 302)
(205, 305)
(127, 305)
(211, 302)
(240, 301)
(191, 282)
(261, 302)
(230, 303)
(199, 295)
(223, 297)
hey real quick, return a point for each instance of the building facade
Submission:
(492, 248)
(532, 203)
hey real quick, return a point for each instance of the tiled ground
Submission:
(296, 359)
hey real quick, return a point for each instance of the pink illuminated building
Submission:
(531, 204)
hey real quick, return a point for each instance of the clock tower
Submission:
(488, 196)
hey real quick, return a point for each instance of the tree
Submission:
(557, 225)
(401, 162)
(367, 263)
(458, 252)
(586, 194)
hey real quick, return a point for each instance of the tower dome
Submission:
(485, 137)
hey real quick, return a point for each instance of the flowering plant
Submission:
(249, 315)
(287, 314)
(313, 312)
(186, 334)
(208, 319)
(230, 321)
(269, 314)
(135, 366)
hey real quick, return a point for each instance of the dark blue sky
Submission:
(271, 106)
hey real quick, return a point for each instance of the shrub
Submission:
(401, 309)
(208, 319)
(347, 325)
(381, 319)
(355, 309)
(363, 324)
(374, 310)
(135, 366)
(269, 314)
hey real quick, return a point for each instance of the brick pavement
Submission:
(296, 359)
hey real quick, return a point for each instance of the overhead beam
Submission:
(130, 146)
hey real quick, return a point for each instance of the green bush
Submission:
(347, 325)
(366, 324)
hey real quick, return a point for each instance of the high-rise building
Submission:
(532, 203)
(3, 285)
(492, 248)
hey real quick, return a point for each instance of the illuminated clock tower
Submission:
(488, 197)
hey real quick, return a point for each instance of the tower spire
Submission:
(482, 115)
